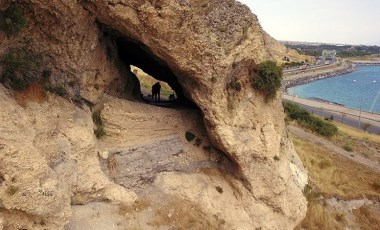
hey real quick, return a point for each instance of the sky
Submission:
(329, 21)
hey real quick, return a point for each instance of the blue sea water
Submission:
(347, 89)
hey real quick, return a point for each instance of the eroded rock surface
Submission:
(49, 160)
(49, 152)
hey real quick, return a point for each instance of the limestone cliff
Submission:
(241, 172)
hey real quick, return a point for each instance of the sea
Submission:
(358, 89)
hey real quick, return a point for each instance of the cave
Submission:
(136, 54)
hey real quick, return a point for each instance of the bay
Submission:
(355, 89)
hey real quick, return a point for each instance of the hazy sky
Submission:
(332, 21)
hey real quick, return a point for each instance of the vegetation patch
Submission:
(20, 67)
(267, 79)
(348, 147)
(97, 119)
(334, 175)
(309, 121)
(58, 89)
(324, 164)
(99, 132)
(235, 85)
(219, 189)
(318, 218)
(366, 217)
(360, 142)
(13, 20)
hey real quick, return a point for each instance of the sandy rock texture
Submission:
(226, 42)
(48, 161)
(50, 158)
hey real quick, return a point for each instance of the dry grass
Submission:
(354, 133)
(367, 218)
(318, 217)
(335, 175)
(33, 93)
(366, 144)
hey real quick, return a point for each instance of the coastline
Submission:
(350, 67)
(347, 66)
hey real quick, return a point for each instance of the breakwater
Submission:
(313, 77)
(366, 63)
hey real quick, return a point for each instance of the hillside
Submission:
(78, 143)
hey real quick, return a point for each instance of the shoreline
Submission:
(350, 67)
(318, 76)
(334, 107)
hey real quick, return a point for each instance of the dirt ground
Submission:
(141, 143)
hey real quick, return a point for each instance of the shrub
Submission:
(304, 118)
(13, 20)
(99, 132)
(189, 136)
(276, 158)
(20, 67)
(268, 79)
(365, 126)
(235, 85)
(347, 147)
(97, 119)
(59, 90)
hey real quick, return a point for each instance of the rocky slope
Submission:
(247, 175)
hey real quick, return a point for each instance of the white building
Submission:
(328, 54)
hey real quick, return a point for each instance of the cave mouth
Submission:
(147, 82)
(136, 56)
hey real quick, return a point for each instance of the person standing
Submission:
(158, 91)
(154, 91)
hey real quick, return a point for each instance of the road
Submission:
(340, 113)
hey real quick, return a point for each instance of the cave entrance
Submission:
(147, 82)
(150, 69)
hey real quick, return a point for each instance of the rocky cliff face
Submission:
(49, 154)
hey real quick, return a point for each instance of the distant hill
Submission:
(315, 49)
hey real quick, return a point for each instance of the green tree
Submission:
(268, 79)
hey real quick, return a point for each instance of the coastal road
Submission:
(340, 113)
